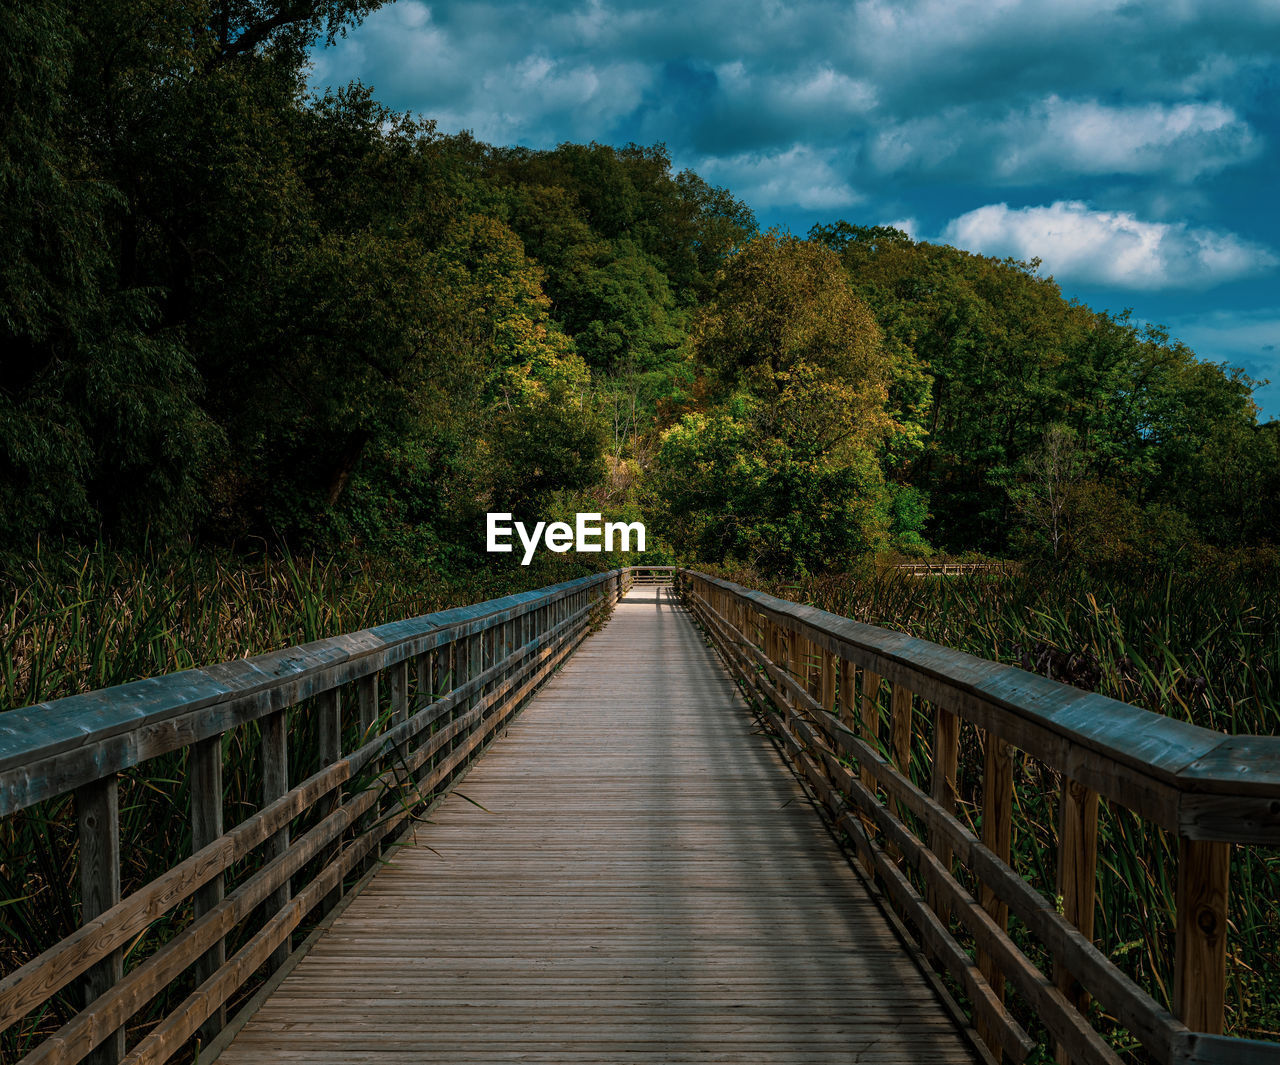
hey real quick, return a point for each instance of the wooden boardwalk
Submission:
(646, 882)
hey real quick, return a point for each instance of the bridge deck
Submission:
(646, 882)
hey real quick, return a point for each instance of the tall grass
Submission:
(1202, 647)
(76, 620)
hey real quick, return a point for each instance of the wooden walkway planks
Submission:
(646, 882)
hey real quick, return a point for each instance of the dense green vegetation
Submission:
(236, 312)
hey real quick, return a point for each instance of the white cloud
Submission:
(1109, 247)
(1189, 47)
(1055, 137)
(825, 88)
(799, 176)
(1086, 137)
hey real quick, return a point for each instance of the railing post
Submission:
(367, 694)
(787, 656)
(506, 644)
(1200, 960)
(900, 736)
(946, 759)
(827, 685)
(813, 666)
(368, 689)
(870, 718)
(205, 768)
(997, 835)
(870, 715)
(275, 783)
(329, 711)
(400, 693)
(1077, 880)
(448, 659)
(423, 670)
(98, 826)
(425, 693)
(847, 696)
(475, 662)
(463, 671)
(398, 754)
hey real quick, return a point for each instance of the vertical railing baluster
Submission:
(827, 684)
(399, 752)
(446, 682)
(946, 760)
(400, 693)
(510, 645)
(368, 695)
(98, 827)
(204, 765)
(847, 701)
(1076, 880)
(813, 670)
(427, 693)
(997, 835)
(1200, 953)
(475, 659)
(463, 671)
(489, 659)
(787, 658)
(900, 740)
(422, 664)
(870, 721)
(329, 712)
(275, 783)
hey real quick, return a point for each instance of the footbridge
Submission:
(644, 816)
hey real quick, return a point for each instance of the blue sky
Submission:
(1132, 147)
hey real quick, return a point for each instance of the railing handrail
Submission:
(228, 693)
(1188, 769)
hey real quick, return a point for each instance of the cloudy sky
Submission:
(1132, 147)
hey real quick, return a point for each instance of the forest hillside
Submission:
(237, 314)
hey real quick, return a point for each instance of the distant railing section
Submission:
(955, 569)
(428, 693)
(652, 574)
(852, 703)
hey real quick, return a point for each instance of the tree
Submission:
(786, 326)
(783, 469)
(1048, 475)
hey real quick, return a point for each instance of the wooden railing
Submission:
(853, 704)
(652, 574)
(954, 569)
(452, 680)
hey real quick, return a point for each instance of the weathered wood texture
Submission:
(641, 880)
